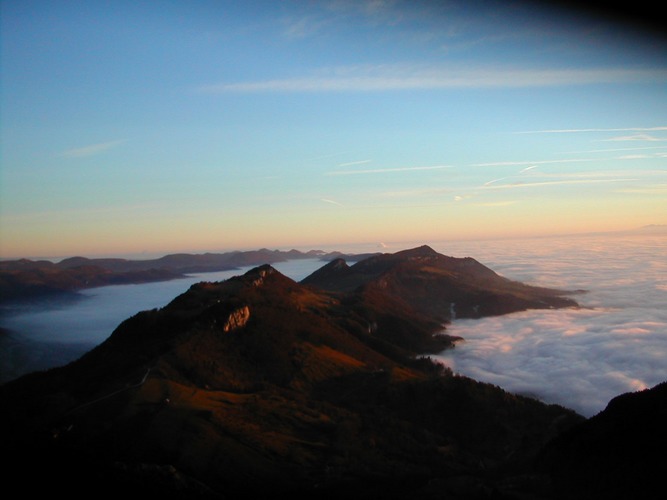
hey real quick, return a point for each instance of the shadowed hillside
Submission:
(260, 385)
(617, 454)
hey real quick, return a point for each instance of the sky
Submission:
(142, 127)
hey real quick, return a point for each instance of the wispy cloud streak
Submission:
(415, 193)
(609, 150)
(90, 150)
(494, 181)
(331, 202)
(387, 170)
(579, 130)
(410, 77)
(350, 163)
(532, 164)
(516, 185)
(635, 137)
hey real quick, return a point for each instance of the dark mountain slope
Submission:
(619, 453)
(261, 386)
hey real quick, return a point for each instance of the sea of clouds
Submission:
(579, 358)
(615, 342)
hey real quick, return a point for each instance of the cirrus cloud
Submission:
(414, 77)
(90, 150)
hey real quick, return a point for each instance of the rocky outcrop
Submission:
(237, 319)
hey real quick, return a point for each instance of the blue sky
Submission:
(155, 127)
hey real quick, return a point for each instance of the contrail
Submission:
(386, 170)
(494, 180)
(350, 163)
(326, 200)
(577, 130)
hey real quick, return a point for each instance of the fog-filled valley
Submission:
(51, 332)
(580, 358)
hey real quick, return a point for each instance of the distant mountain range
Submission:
(25, 279)
(259, 386)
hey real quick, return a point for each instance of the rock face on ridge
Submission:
(260, 386)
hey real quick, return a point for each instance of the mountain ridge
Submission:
(25, 279)
(260, 385)
(439, 285)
